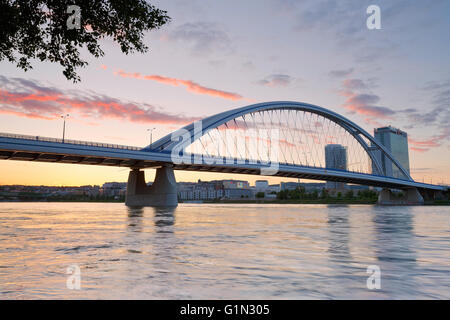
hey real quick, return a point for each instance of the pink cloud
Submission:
(419, 149)
(432, 142)
(191, 86)
(26, 115)
(26, 98)
(364, 104)
(426, 144)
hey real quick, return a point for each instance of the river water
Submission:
(223, 251)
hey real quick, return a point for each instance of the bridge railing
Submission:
(68, 141)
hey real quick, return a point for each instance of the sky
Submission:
(218, 55)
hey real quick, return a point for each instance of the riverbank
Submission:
(246, 201)
(317, 201)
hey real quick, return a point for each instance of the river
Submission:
(223, 251)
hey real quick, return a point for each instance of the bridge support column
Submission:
(411, 197)
(162, 193)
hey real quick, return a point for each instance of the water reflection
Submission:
(151, 248)
(135, 211)
(135, 215)
(338, 228)
(164, 219)
(395, 248)
(340, 258)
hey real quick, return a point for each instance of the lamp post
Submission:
(151, 136)
(64, 125)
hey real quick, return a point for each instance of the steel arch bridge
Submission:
(304, 131)
(282, 138)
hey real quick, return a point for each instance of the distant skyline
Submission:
(226, 54)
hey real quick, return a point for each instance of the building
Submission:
(273, 188)
(261, 185)
(233, 184)
(335, 158)
(216, 189)
(396, 141)
(289, 185)
(113, 189)
(311, 186)
(235, 189)
(269, 190)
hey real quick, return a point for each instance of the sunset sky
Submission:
(218, 55)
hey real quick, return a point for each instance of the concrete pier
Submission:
(411, 197)
(162, 193)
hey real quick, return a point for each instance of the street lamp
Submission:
(64, 125)
(151, 136)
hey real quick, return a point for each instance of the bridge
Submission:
(283, 138)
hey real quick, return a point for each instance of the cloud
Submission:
(217, 63)
(24, 84)
(374, 111)
(354, 84)
(433, 85)
(28, 98)
(439, 115)
(421, 150)
(345, 20)
(191, 86)
(366, 105)
(441, 101)
(421, 169)
(363, 99)
(432, 142)
(435, 141)
(341, 73)
(276, 80)
(427, 118)
(248, 66)
(408, 110)
(340, 18)
(202, 37)
(362, 104)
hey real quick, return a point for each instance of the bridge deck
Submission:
(29, 148)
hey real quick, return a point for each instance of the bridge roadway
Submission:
(42, 149)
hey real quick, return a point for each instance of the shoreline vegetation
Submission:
(237, 201)
(296, 196)
(318, 201)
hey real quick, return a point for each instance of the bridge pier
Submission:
(162, 193)
(431, 195)
(412, 196)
